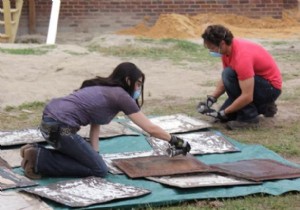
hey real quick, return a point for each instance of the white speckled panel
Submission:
(25, 136)
(87, 191)
(174, 123)
(110, 130)
(201, 143)
(200, 180)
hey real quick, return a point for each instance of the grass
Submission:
(172, 49)
(28, 51)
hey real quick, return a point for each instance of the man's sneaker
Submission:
(250, 124)
(28, 163)
(270, 109)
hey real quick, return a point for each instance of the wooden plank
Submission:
(32, 17)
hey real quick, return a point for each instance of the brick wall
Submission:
(109, 15)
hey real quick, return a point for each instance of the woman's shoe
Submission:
(28, 163)
(25, 147)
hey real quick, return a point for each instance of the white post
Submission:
(52, 30)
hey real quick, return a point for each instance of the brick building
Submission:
(110, 15)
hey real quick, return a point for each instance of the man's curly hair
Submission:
(216, 33)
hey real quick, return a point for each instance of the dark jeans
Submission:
(264, 93)
(72, 156)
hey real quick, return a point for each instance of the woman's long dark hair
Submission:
(119, 77)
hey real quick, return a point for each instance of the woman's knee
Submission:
(100, 171)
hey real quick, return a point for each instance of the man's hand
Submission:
(180, 144)
(204, 107)
(219, 115)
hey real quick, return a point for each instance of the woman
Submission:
(96, 103)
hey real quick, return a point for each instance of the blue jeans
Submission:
(264, 93)
(72, 156)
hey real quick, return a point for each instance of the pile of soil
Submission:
(181, 26)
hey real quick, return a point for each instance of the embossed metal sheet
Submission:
(22, 201)
(258, 169)
(9, 179)
(201, 143)
(201, 180)
(8, 138)
(107, 131)
(108, 158)
(160, 166)
(4, 163)
(12, 157)
(87, 191)
(177, 123)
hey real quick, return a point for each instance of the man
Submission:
(251, 80)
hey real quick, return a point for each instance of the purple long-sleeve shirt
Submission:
(96, 104)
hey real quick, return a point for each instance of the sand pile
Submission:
(181, 26)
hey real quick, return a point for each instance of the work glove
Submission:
(204, 106)
(218, 115)
(180, 144)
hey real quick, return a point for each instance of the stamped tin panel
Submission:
(9, 179)
(4, 163)
(8, 138)
(160, 166)
(201, 180)
(12, 157)
(107, 131)
(87, 191)
(21, 201)
(201, 143)
(174, 123)
(258, 169)
(108, 159)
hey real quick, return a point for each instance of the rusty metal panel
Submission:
(201, 180)
(21, 201)
(201, 143)
(8, 138)
(177, 123)
(12, 157)
(108, 158)
(160, 166)
(87, 191)
(258, 169)
(107, 131)
(9, 179)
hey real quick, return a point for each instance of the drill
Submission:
(172, 151)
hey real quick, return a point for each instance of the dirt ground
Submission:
(28, 78)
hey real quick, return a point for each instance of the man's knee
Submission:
(229, 75)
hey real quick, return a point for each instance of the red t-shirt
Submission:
(248, 59)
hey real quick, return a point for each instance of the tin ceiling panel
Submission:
(87, 191)
(258, 169)
(108, 158)
(12, 157)
(4, 163)
(201, 143)
(201, 180)
(9, 179)
(174, 123)
(107, 131)
(21, 201)
(8, 138)
(160, 166)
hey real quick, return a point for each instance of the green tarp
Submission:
(163, 195)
